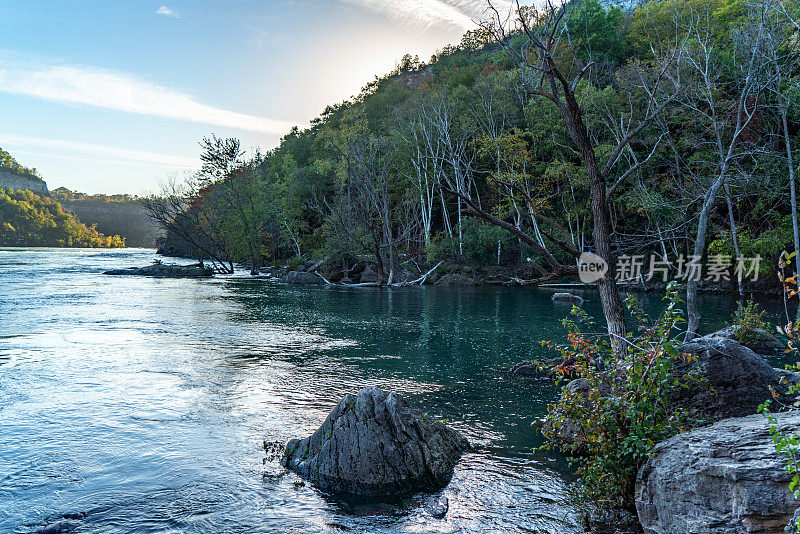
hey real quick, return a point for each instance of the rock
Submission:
(726, 477)
(372, 445)
(567, 435)
(369, 275)
(162, 270)
(791, 528)
(401, 274)
(539, 368)
(758, 340)
(526, 369)
(734, 379)
(345, 280)
(567, 297)
(299, 278)
(437, 506)
(455, 280)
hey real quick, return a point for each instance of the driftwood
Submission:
(418, 281)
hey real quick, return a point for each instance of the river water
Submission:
(137, 405)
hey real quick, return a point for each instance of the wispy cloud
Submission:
(164, 10)
(426, 13)
(123, 92)
(80, 151)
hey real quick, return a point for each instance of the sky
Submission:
(113, 96)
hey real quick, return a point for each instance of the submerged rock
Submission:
(162, 270)
(567, 297)
(437, 506)
(374, 445)
(726, 477)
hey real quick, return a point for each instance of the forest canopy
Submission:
(28, 220)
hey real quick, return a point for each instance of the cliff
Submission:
(13, 180)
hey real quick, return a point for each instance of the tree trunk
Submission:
(735, 238)
(609, 295)
(692, 284)
(255, 263)
(792, 185)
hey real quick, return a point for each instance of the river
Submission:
(136, 405)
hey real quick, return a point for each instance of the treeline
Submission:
(122, 215)
(668, 129)
(28, 220)
(8, 163)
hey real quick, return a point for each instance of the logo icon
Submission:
(591, 268)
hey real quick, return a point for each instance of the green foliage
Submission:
(8, 163)
(787, 444)
(746, 320)
(624, 411)
(29, 220)
(479, 244)
(598, 31)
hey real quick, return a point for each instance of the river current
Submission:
(138, 405)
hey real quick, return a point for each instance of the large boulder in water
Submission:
(733, 380)
(372, 445)
(300, 278)
(726, 477)
(369, 276)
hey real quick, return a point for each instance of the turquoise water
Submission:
(130, 404)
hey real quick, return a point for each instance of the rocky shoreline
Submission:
(725, 475)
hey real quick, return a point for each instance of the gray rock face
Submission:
(567, 297)
(455, 280)
(735, 380)
(369, 275)
(299, 278)
(759, 341)
(161, 270)
(724, 478)
(373, 445)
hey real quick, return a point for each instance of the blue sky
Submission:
(113, 96)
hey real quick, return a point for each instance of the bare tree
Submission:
(703, 100)
(553, 69)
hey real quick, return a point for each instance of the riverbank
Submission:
(322, 272)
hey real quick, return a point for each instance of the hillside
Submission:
(121, 215)
(15, 176)
(28, 220)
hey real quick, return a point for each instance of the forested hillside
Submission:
(27, 219)
(122, 215)
(673, 125)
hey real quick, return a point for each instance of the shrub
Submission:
(478, 242)
(746, 320)
(624, 411)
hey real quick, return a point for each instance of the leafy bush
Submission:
(623, 411)
(747, 320)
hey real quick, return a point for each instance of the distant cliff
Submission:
(13, 180)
